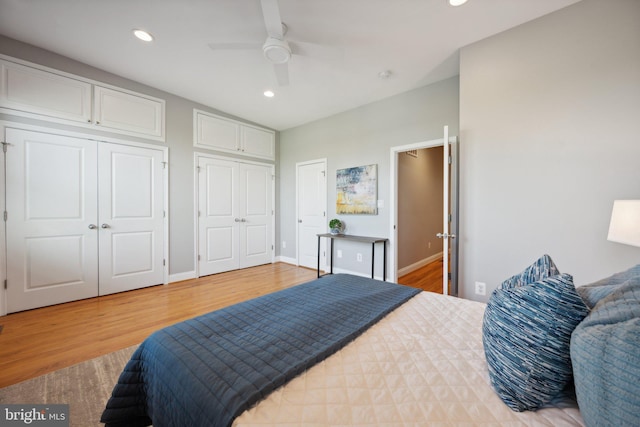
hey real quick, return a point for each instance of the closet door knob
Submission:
(105, 226)
(92, 227)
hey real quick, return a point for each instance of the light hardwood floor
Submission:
(43, 340)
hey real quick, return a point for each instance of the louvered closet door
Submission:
(52, 238)
(131, 217)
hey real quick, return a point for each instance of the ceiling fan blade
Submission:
(235, 46)
(282, 74)
(317, 51)
(272, 20)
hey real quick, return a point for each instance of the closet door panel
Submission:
(52, 246)
(256, 211)
(218, 219)
(131, 217)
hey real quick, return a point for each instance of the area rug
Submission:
(86, 387)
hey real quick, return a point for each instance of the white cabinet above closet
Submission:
(222, 134)
(38, 92)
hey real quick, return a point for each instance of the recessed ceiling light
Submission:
(269, 93)
(457, 2)
(143, 35)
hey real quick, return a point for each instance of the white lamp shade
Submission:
(625, 222)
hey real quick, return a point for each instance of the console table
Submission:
(363, 239)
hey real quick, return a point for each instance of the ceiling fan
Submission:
(276, 49)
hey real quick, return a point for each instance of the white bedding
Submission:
(423, 364)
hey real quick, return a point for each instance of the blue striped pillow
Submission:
(542, 268)
(526, 333)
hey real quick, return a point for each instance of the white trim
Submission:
(3, 230)
(286, 260)
(393, 191)
(92, 125)
(179, 277)
(326, 173)
(7, 124)
(418, 265)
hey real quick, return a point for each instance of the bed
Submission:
(400, 357)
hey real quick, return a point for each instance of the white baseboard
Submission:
(178, 277)
(287, 260)
(416, 265)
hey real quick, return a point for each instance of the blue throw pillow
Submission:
(542, 268)
(605, 351)
(594, 292)
(526, 333)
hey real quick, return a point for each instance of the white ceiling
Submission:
(353, 40)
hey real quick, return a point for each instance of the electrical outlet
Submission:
(339, 253)
(359, 257)
(481, 288)
(284, 244)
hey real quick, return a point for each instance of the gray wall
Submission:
(550, 137)
(360, 137)
(179, 139)
(420, 206)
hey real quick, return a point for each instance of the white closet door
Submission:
(131, 223)
(256, 212)
(312, 220)
(218, 221)
(52, 238)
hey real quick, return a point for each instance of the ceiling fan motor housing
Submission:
(277, 51)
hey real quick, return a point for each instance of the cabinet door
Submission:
(52, 234)
(258, 142)
(216, 133)
(128, 113)
(29, 90)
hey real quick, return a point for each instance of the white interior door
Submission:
(131, 217)
(256, 214)
(218, 217)
(311, 215)
(52, 234)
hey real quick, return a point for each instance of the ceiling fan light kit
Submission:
(277, 51)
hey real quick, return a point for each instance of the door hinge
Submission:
(5, 283)
(198, 257)
(272, 248)
(164, 165)
(4, 146)
(450, 217)
(164, 214)
(6, 216)
(449, 159)
(164, 262)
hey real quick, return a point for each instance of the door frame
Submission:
(4, 124)
(323, 259)
(196, 201)
(393, 201)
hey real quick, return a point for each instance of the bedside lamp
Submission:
(625, 222)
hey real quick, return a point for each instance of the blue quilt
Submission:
(208, 370)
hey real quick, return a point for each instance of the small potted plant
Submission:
(336, 226)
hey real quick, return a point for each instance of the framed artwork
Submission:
(357, 190)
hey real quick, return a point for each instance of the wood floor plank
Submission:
(43, 340)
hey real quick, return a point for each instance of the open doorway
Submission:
(420, 215)
(445, 239)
